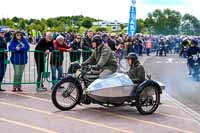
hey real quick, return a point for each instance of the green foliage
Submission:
(100, 29)
(87, 23)
(22, 24)
(190, 25)
(141, 26)
(163, 22)
(122, 26)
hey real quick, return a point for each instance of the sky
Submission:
(101, 9)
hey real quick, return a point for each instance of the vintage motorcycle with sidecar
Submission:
(83, 86)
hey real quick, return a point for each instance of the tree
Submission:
(190, 25)
(15, 19)
(140, 26)
(101, 29)
(22, 24)
(122, 26)
(163, 22)
(87, 23)
(8, 23)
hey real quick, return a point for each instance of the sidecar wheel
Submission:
(66, 94)
(148, 100)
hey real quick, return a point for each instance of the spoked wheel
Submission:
(66, 95)
(148, 100)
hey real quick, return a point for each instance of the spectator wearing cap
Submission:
(43, 48)
(57, 57)
(3, 57)
(19, 58)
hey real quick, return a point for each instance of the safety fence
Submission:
(36, 67)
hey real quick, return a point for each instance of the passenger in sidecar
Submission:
(136, 71)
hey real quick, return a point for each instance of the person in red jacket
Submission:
(57, 57)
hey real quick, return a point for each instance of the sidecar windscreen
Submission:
(115, 80)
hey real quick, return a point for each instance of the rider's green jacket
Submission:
(103, 57)
(137, 72)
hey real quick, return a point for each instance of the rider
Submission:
(102, 57)
(184, 45)
(136, 71)
(193, 50)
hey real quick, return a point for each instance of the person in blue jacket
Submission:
(19, 47)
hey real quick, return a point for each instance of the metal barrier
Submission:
(38, 68)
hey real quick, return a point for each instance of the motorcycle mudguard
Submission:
(147, 83)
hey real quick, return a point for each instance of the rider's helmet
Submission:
(132, 56)
(194, 42)
(97, 39)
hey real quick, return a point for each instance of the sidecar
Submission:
(119, 88)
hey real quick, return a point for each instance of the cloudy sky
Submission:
(103, 9)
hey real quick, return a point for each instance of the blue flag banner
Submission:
(132, 25)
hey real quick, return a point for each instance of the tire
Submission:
(140, 105)
(73, 86)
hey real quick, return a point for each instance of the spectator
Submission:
(109, 42)
(148, 46)
(3, 57)
(38, 36)
(19, 47)
(119, 49)
(58, 57)
(76, 45)
(8, 36)
(44, 47)
(87, 45)
(140, 46)
(130, 45)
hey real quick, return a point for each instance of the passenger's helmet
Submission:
(132, 56)
(97, 39)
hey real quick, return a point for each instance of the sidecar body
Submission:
(117, 88)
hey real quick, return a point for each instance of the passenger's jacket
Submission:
(3, 47)
(104, 58)
(57, 55)
(19, 57)
(137, 73)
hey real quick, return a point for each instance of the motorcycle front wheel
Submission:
(66, 95)
(148, 100)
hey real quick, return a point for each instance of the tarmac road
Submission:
(172, 71)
